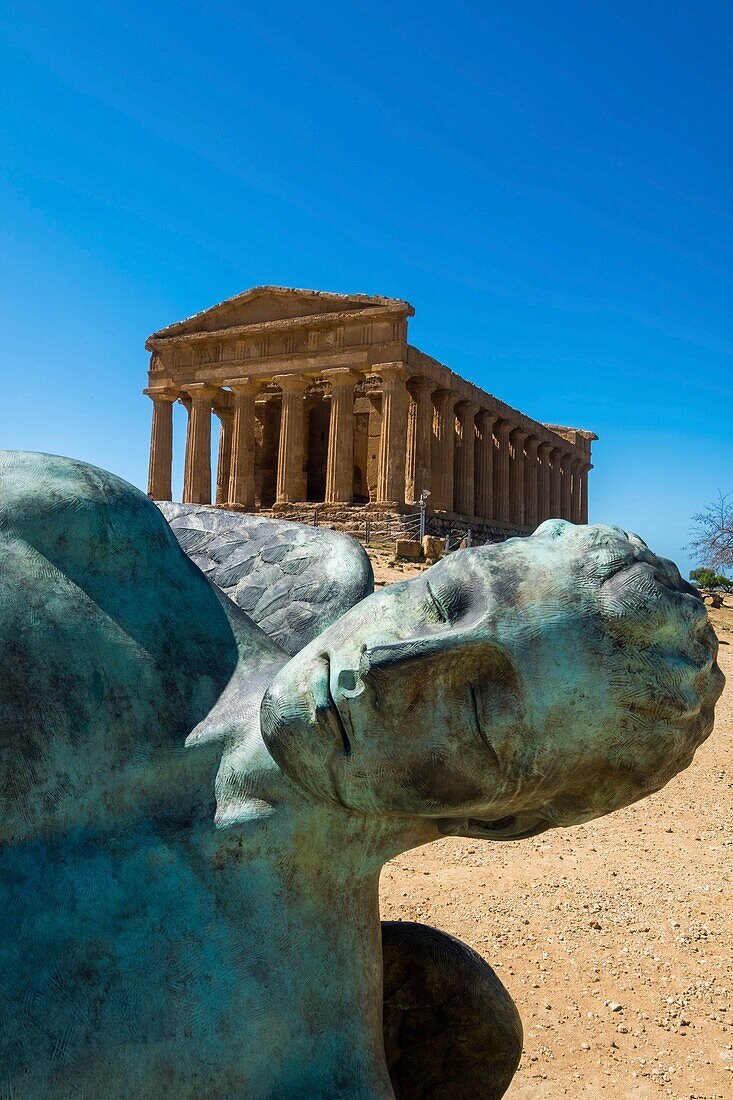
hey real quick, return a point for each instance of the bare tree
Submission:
(712, 531)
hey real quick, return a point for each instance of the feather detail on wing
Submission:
(291, 579)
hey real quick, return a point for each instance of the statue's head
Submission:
(543, 681)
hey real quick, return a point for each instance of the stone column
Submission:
(393, 437)
(575, 466)
(197, 470)
(374, 430)
(531, 447)
(443, 450)
(484, 465)
(340, 461)
(419, 439)
(224, 456)
(502, 510)
(544, 488)
(291, 452)
(584, 469)
(161, 444)
(411, 442)
(463, 500)
(242, 466)
(566, 500)
(555, 484)
(516, 476)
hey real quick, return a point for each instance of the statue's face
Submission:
(539, 682)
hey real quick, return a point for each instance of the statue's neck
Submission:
(309, 964)
(299, 881)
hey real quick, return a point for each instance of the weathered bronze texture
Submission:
(193, 822)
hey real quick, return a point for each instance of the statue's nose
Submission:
(346, 679)
(349, 682)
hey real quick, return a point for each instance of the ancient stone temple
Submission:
(322, 401)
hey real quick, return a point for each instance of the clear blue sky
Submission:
(548, 183)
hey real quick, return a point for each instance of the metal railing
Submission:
(456, 534)
(414, 526)
(406, 527)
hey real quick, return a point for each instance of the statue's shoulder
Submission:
(113, 647)
(82, 517)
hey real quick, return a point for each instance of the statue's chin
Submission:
(513, 827)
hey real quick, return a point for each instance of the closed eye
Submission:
(437, 605)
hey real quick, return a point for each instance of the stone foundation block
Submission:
(408, 548)
(432, 547)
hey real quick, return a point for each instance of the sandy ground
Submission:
(614, 938)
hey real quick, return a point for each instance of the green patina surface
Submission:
(193, 824)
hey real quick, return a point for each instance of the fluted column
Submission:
(161, 444)
(580, 491)
(555, 484)
(544, 488)
(242, 466)
(584, 471)
(465, 458)
(566, 502)
(340, 461)
(224, 455)
(502, 510)
(443, 449)
(531, 448)
(291, 451)
(197, 469)
(484, 465)
(393, 436)
(419, 439)
(576, 467)
(516, 476)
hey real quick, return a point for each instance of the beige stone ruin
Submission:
(322, 402)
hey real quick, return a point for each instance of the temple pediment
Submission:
(264, 304)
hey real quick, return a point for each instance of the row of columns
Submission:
(472, 461)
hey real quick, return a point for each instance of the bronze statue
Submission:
(195, 814)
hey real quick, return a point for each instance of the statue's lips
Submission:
(514, 827)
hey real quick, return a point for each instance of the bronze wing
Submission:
(292, 579)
